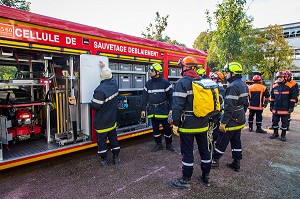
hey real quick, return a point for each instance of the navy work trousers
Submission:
(234, 137)
(167, 130)
(187, 148)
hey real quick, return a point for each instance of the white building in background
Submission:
(292, 35)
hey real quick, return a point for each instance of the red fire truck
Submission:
(49, 69)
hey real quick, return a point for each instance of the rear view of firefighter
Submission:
(233, 120)
(218, 77)
(157, 99)
(292, 84)
(189, 127)
(282, 103)
(258, 100)
(104, 102)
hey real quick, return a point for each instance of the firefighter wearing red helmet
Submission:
(259, 97)
(281, 105)
(294, 88)
(157, 100)
(188, 126)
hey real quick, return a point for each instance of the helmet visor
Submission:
(151, 68)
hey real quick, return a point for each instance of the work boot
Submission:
(116, 159)
(283, 135)
(235, 165)
(260, 130)
(170, 147)
(181, 183)
(250, 127)
(157, 147)
(104, 162)
(205, 179)
(275, 134)
(215, 163)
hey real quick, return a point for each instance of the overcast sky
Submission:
(186, 18)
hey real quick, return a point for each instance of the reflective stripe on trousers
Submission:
(187, 149)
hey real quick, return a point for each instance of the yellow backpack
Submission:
(206, 98)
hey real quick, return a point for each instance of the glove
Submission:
(222, 127)
(175, 130)
(170, 112)
(143, 114)
(291, 110)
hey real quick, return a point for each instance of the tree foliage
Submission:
(233, 28)
(155, 31)
(20, 4)
(236, 40)
(203, 41)
(278, 55)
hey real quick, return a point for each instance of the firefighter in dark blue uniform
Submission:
(259, 97)
(218, 77)
(157, 99)
(292, 84)
(233, 119)
(189, 127)
(282, 104)
(104, 102)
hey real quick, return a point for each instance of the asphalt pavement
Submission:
(269, 169)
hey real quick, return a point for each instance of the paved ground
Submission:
(270, 169)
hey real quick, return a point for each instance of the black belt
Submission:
(159, 104)
(189, 113)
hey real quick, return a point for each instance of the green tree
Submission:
(202, 42)
(253, 51)
(234, 38)
(155, 31)
(20, 4)
(278, 55)
(233, 27)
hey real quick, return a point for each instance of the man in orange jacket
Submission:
(258, 100)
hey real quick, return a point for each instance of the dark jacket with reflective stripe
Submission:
(104, 102)
(157, 98)
(283, 98)
(235, 104)
(183, 102)
(258, 93)
(294, 88)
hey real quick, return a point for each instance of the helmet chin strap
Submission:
(156, 75)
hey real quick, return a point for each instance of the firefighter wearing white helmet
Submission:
(233, 120)
(105, 102)
(157, 100)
